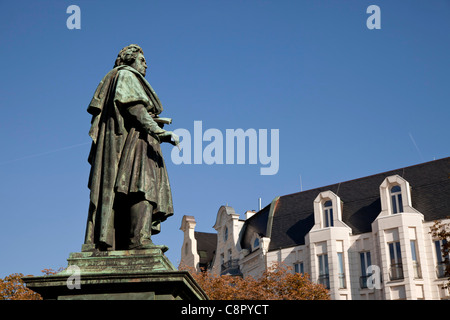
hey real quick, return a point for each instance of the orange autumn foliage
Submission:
(277, 283)
(441, 231)
(12, 287)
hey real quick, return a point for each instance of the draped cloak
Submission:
(124, 158)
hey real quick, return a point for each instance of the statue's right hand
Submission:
(174, 139)
(169, 136)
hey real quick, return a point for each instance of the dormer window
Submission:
(328, 214)
(396, 198)
(256, 243)
(328, 211)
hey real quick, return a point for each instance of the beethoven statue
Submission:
(129, 187)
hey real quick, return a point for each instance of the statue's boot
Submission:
(140, 227)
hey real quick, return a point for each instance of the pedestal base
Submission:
(129, 274)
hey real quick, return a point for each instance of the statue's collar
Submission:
(147, 87)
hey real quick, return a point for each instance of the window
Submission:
(328, 211)
(225, 235)
(396, 261)
(396, 198)
(417, 271)
(440, 268)
(256, 243)
(365, 261)
(202, 254)
(222, 262)
(328, 214)
(341, 270)
(298, 268)
(323, 270)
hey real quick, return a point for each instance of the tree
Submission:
(277, 283)
(12, 287)
(441, 231)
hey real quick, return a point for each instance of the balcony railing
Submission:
(417, 270)
(324, 279)
(342, 284)
(370, 281)
(363, 281)
(396, 271)
(440, 270)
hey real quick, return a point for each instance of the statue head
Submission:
(132, 56)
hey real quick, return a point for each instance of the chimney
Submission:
(249, 213)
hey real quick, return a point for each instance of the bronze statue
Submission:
(130, 193)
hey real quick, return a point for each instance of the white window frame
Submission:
(415, 260)
(319, 213)
(440, 259)
(299, 267)
(341, 270)
(328, 219)
(403, 202)
(395, 260)
(324, 271)
(365, 260)
(396, 199)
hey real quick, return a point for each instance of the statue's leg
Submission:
(140, 224)
(140, 227)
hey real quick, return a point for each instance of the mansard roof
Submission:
(289, 218)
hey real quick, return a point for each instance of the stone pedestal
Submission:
(106, 275)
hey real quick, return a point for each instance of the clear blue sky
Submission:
(348, 102)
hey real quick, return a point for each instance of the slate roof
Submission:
(293, 214)
(206, 246)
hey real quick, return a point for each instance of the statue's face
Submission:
(140, 64)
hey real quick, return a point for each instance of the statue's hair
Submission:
(127, 55)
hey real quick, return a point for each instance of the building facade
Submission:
(367, 238)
